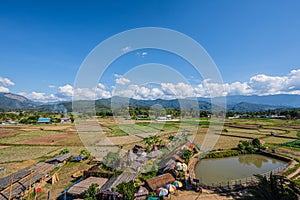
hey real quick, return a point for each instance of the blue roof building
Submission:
(44, 120)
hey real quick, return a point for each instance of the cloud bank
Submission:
(260, 84)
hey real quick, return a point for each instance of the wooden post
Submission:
(30, 182)
(49, 195)
(10, 185)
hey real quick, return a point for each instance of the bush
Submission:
(127, 189)
(91, 192)
(222, 154)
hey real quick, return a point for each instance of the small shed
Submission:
(141, 194)
(160, 181)
(59, 159)
(44, 121)
(189, 146)
(78, 189)
(65, 120)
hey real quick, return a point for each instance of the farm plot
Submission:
(49, 139)
(26, 135)
(22, 153)
(8, 132)
(140, 128)
(277, 140)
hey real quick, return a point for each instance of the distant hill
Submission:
(286, 100)
(9, 101)
(251, 107)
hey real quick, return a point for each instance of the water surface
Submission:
(225, 169)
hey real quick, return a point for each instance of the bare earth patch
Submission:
(2, 147)
(8, 132)
(49, 139)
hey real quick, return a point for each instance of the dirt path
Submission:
(295, 172)
(192, 165)
(206, 195)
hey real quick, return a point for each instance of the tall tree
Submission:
(273, 188)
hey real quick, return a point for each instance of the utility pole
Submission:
(10, 185)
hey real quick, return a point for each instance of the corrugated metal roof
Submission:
(44, 120)
(59, 158)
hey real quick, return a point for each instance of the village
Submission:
(159, 160)
(155, 174)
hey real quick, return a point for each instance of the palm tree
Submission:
(273, 188)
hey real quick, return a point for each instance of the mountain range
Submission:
(11, 102)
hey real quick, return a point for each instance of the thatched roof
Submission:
(160, 181)
(79, 188)
(189, 146)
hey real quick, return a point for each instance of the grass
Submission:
(141, 128)
(291, 170)
(294, 144)
(22, 153)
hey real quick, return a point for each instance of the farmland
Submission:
(21, 145)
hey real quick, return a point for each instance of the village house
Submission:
(44, 120)
(65, 120)
(77, 190)
(159, 181)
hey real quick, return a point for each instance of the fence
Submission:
(241, 183)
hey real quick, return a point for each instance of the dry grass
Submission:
(22, 153)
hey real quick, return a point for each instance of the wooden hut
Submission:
(78, 189)
(141, 194)
(160, 181)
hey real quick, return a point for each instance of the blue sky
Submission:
(255, 45)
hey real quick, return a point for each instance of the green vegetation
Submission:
(294, 144)
(291, 170)
(222, 154)
(152, 141)
(187, 155)
(64, 151)
(273, 188)
(127, 190)
(91, 192)
(112, 159)
(85, 153)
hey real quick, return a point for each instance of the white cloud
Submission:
(41, 97)
(52, 86)
(260, 84)
(126, 49)
(4, 89)
(6, 82)
(179, 90)
(141, 54)
(102, 92)
(66, 90)
(122, 81)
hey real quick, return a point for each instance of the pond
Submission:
(222, 170)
